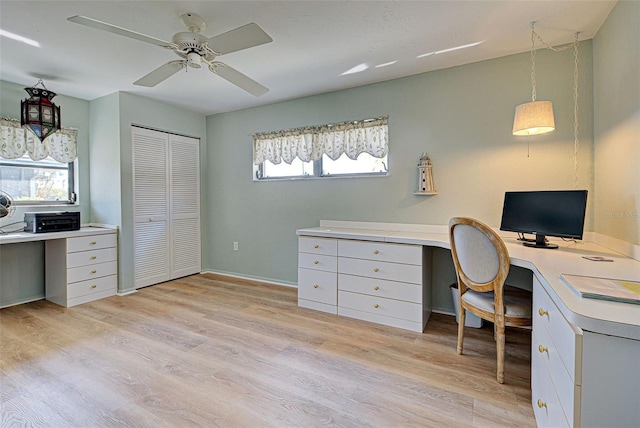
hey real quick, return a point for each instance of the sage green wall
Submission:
(22, 265)
(461, 116)
(616, 66)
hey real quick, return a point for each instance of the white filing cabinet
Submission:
(81, 269)
(317, 274)
(383, 283)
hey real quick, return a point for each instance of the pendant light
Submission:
(38, 113)
(535, 117)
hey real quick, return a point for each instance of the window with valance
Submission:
(303, 150)
(34, 171)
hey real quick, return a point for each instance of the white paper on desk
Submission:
(617, 290)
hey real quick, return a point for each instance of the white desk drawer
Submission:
(546, 406)
(318, 286)
(565, 337)
(381, 270)
(542, 347)
(377, 305)
(397, 253)
(93, 242)
(313, 245)
(91, 257)
(90, 272)
(317, 262)
(381, 288)
(83, 288)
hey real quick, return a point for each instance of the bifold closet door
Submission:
(184, 193)
(166, 205)
(150, 207)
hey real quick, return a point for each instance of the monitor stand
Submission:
(541, 242)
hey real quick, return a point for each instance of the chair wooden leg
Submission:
(500, 353)
(461, 320)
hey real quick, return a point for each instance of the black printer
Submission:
(52, 221)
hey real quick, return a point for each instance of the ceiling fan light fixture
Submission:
(194, 60)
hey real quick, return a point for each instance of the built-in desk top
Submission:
(613, 318)
(17, 237)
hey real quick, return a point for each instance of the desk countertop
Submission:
(17, 237)
(613, 318)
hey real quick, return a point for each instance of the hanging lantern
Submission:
(38, 113)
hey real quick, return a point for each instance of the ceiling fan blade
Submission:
(161, 73)
(238, 79)
(94, 23)
(240, 38)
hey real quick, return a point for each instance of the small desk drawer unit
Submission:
(81, 269)
(382, 283)
(556, 354)
(317, 274)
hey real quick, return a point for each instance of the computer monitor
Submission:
(544, 213)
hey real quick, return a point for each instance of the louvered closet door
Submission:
(150, 207)
(184, 164)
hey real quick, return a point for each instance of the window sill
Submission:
(324, 177)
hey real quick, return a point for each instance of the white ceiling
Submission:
(314, 42)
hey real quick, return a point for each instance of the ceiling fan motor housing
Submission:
(192, 47)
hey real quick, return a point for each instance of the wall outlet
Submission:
(235, 245)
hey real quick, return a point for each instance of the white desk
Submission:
(80, 265)
(587, 373)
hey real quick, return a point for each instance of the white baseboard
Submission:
(252, 278)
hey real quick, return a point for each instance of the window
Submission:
(43, 182)
(47, 180)
(345, 149)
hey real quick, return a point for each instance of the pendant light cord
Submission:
(574, 44)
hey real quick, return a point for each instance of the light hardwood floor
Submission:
(210, 351)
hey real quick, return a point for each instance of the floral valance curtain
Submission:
(311, 142)
(15, 141)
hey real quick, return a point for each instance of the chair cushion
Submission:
(517, 302)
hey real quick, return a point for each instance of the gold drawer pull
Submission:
(375, 251)
(93, 242)
(375, 269)
(541, 404)
(375, 306)
(315, 246)
(315, 285)
(542, 349)
(94, 271)
(93, 257)
(542, 312)
(376, 288)
(316, 262)
(93, 286)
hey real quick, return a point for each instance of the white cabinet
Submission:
(580, 378)
(166, 206)
(317, 274)
(383, 283)
(378, 282)
(81, 269)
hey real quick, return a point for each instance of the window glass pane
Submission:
(365, 164)
(29, 181)
(283, 169)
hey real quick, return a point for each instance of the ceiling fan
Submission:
(194, 49)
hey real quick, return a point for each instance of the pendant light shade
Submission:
(533, 118)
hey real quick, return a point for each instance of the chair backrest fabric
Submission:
(476, 253)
